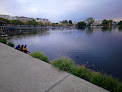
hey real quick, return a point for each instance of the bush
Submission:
(11, 44)
(40, 56)
(105, 81)
(82, 72)
(97, 78)
(3, 41)
(65, 64)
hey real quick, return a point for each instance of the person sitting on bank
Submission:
(25, 50)
(21, 48)
(18, 47)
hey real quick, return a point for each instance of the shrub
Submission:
(65, 64)
(40, 56)
(105, 81)
(97, 78)
(82, 72)
(3, 41)
(11, 44)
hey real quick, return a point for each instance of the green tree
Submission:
(65, 22)
(90, 21)
(81, 25)
(70, 21)
(105, 22)
(17, 22)
(53, 24)
(32, 22)
(5, 20)
(40, 23)
(120, 23)
(110, 22)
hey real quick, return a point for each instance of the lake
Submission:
(99, 48)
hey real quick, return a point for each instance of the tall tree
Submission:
(110, 22)
(17, 22)
(120, 23)
(90, 21)
(64, 22)
(81, 25)
(41, 23)
(32, 22)
(105, 22)
(5, 20)
(70, 21)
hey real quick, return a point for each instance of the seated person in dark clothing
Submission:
(21, 48)
(25, 49)
(18, 47)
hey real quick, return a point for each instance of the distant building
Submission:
(22, 18)
(43, 20)
(73, 22)
(98, 22)
(59, 22)
(6, 17)
(14, 18)
(82, 20)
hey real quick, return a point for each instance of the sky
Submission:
(58, 10)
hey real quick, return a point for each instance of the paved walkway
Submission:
(20, 72)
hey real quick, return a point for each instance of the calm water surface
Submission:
(98, 48)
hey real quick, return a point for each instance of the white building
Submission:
(73, 22)
(22, 18)
(43, 20)
(98, 22)
(6, 17)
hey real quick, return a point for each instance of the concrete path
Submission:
(20, 72)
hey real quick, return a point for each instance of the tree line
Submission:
(90, 22)
(18, 22)
(34, 23)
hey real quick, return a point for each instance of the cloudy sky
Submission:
(57, 10)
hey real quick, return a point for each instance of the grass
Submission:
(65, 64)
(82, 72)
(102, 80)
(105, 81)
(10, 44)
(3, 41)
(40, 56)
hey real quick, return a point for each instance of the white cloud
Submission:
(57, 10)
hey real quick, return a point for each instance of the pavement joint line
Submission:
(57, 83)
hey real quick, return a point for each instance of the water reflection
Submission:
(120, 28)
(106, 29)
(89, 30)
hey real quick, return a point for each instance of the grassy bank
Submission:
(10, 44)
(40, 56)
(66, 64)
(102, 80)
(5, 42)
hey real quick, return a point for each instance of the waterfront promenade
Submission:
(20, 72)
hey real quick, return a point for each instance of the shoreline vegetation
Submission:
(81, 24)
(4, 41)
(66, 64)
